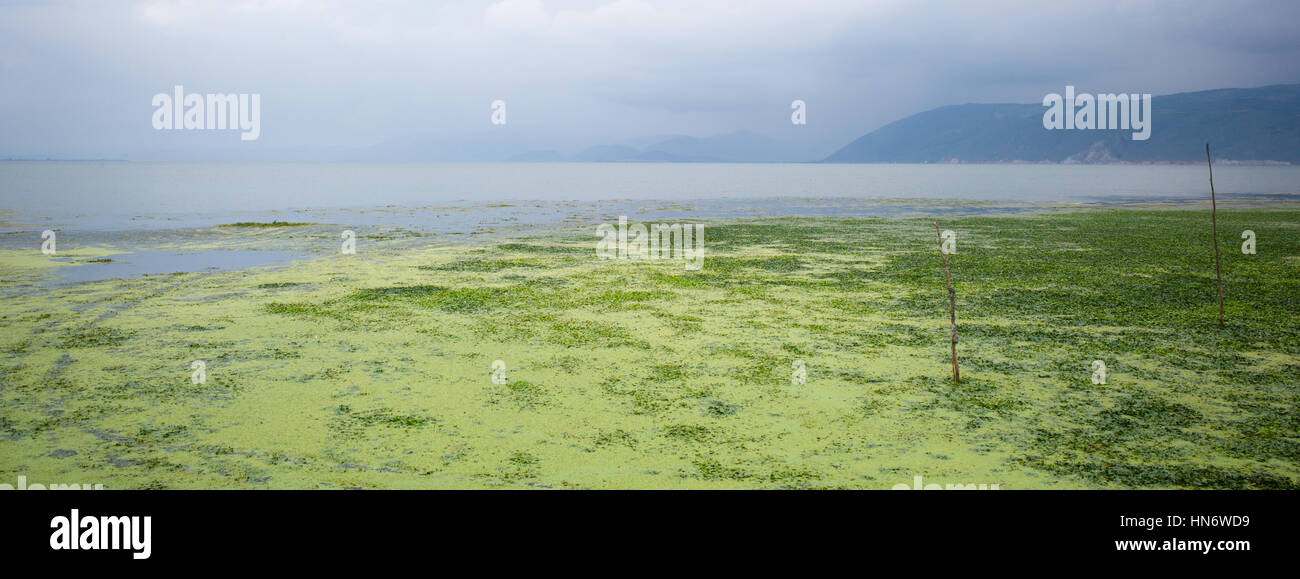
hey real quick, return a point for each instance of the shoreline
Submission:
(188, 245)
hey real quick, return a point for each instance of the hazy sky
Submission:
(339, 77)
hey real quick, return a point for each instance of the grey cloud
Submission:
(369, 76)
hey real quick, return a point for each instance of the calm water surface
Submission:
(151, 195)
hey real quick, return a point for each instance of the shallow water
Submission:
(166, 214)
(167, 195)
(151, 245)
(140, 263)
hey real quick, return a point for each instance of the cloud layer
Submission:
(339, 76)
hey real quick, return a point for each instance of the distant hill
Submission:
(626, 154)
(1250, 125)
(539, 156)
(740, 146)
(737, 147)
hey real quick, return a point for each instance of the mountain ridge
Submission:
(1253, 126)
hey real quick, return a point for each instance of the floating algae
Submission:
(373, 370)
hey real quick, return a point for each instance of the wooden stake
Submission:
(952, 305)
(1214, 230)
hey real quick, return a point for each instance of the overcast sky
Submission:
(334, 77)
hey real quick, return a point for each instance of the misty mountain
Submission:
(539, 156)
(1255, 124)
(494, 146)
(740, 147)
(627, 154)
(737, 147)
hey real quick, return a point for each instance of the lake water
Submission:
(163, 262)
(162, 213)
(155, 195)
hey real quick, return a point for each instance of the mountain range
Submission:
(1249, 125)
(736, 147)
(1252, 125)
(1243, 125)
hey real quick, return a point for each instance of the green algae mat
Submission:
(806, 353)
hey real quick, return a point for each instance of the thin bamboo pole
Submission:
(1214, 230)
(952, 305)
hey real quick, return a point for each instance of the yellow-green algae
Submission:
(373, 370)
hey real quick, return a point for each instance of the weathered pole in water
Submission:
(952, 304)
(1214, 230)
